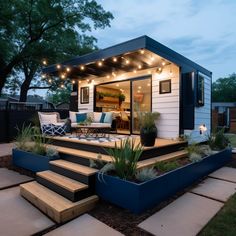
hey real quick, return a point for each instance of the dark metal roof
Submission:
(143, 42)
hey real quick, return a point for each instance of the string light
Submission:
(163, 63)
(82, 67)
(140, 66)
(43, 76)
(127, 61)
(63, 76)
(68, 69)
(152, 58)
(58, 66)
(99, 63)
(92, 81)
(114, 59)
(142, 51)
(149, 72)
(45, 62)
(148, 85)
(79, 82)
(108, 76)
(62, 86)
(73, 82)
(135, 71)
(139, 87)
(50, 81)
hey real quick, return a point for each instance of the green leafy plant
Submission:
(217, 140)
(195, 157)
(166, 166)
(125, 157)
(121, 97)
(145, 174)
(24, 138)
(39, 140)
(51, 152)
(147, 120)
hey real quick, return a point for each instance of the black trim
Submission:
(85, 87)
(161, 84)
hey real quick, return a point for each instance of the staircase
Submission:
(67, 189)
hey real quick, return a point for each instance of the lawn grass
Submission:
(224, 223)
(232, 139)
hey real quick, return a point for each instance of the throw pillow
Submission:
(108, 118)
(81, 117)
(48, 118)
(48, 129)
(60, 130)
(102, 117)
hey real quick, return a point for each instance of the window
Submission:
(200, 91)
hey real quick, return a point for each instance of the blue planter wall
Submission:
(140, 197)
(31, 161)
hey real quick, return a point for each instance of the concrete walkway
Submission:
(6, 149)
(18, 217)
(84, 225)
(10, 178)
(187, 215)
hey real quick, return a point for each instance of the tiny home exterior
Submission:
(151, 77)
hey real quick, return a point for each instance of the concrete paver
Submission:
(9, 178)
(84, 225)
(225, 173)
(186, 216)
(216, 189)
(18, 217)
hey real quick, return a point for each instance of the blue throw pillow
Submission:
(81, 117)
(102, 117)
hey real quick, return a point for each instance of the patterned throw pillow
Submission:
(48, 129)
(51, 129)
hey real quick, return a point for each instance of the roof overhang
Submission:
(141, 53)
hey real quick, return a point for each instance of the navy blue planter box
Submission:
(140, 197)
(31, 161)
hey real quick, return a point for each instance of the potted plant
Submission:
(121, 98)
(32, 151)
(148, 129)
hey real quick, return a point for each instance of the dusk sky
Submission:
(203, 31)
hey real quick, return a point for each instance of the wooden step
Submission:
(52, 204)
(84, 170)
(74, 171)
(67, 187)
(62, 181)
(164, 158)
(81, 153)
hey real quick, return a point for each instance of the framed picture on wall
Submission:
(165, 86)
(84, 95)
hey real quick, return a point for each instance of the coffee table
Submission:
(92, 130)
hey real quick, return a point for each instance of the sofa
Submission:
(99, 119)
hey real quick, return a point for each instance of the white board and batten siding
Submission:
(166, 104)
(202, 115)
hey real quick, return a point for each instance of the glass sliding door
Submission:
(141, 100)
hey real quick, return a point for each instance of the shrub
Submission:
(195, 157)
(146, 174)
(125, 157)
(51, 152)
(24, 138)
(147, 120)
(217, 140)
(166, 166)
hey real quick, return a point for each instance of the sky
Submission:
(203, 31)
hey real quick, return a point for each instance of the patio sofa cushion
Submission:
(102, 117)
(48, 118)
(97, 116)
(100, 124)
(72, 116)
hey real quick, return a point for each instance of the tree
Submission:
(29, 24)
(59, 96)
(224, 89)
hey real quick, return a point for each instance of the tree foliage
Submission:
(224, 89)
(34, 29)
(59, 96)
